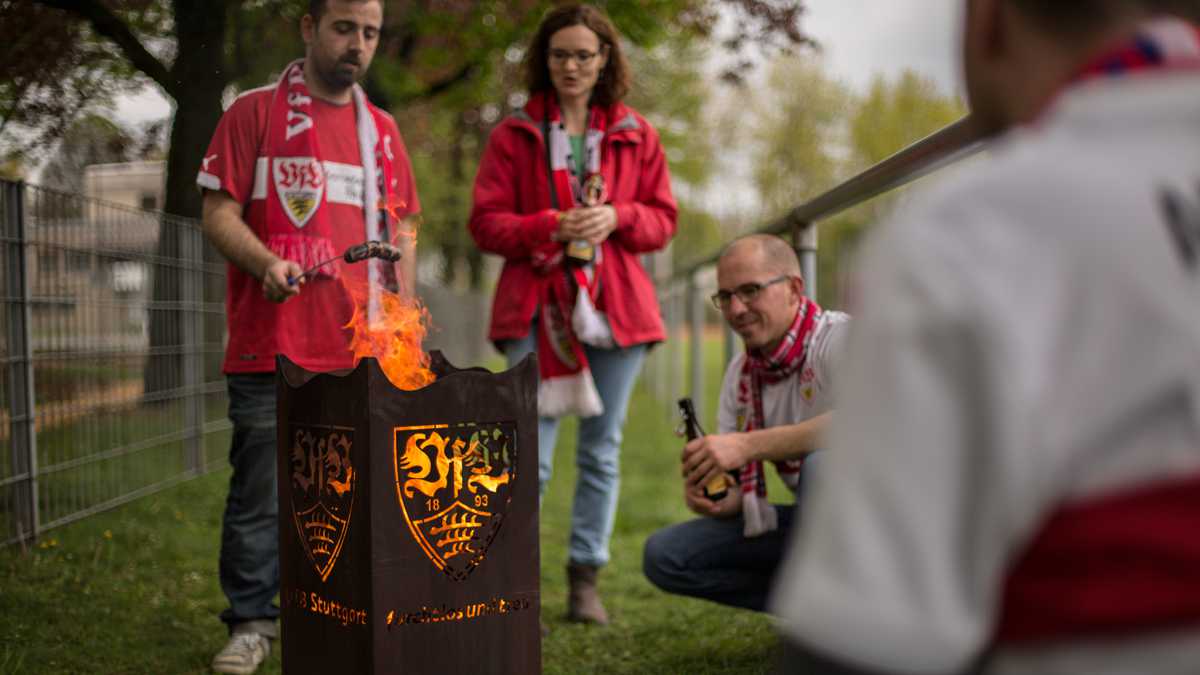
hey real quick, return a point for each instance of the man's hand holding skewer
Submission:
(281, 280)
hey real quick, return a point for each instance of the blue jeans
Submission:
(597, 448)
(249, 562)
(709, 558)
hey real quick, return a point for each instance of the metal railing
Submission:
(682, 295)
(112, 342)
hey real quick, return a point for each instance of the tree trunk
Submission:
(197, 84)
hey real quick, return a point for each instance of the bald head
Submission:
(759, 289)
(772, 252)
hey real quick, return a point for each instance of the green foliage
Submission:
(895, 114)
(11, 168)
(446, 136)
(839, 238)
(93, 139)
(890, 117)
(53, 70)
(672, 92)
(447, 70)
(795, 120)
(808, 132)
(700, 233)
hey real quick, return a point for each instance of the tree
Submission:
(11, 169)
(894, 115)
(890, 117)
(805, 132)
(794, 128)
(195, 50)
(446, 140)
(92, 139)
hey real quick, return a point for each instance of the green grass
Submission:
(134, 590)
(65, 492)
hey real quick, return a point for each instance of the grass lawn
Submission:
(134, 590)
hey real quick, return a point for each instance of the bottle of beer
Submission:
(716, 489)
(581, 250)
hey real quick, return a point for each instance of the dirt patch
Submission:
(119, 396)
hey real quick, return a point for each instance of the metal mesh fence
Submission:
(112, 334)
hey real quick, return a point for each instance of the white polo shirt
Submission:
(806, 394)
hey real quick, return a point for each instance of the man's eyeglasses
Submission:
(583, 57)
(746, 292)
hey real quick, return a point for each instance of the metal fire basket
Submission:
(408, 521)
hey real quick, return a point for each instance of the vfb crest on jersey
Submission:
(454, 483)
(323, 478)
(300, 184)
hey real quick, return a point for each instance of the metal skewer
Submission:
(356, 253)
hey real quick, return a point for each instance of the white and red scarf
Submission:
(298, 228)
(567, 315)
(787, 359)
(1160, 44)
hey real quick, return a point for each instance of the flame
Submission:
(394, 338)
(393, 205)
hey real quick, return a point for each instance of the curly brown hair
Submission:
(614, 79)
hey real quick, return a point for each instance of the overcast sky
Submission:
(859, 38)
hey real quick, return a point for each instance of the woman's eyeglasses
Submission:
(746, 292)
(559, 57)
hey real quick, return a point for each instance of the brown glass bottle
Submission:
(716, 489)
(581, 250)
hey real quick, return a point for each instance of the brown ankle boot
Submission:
(583, 601)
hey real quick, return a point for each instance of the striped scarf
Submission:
(1160, 44)
(784, 361)
(297, 225)
(567, 315)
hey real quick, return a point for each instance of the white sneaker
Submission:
(242, 654)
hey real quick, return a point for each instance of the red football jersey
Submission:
(311, 327)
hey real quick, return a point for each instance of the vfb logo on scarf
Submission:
(454, 484)
(300, 183)
(323, 480)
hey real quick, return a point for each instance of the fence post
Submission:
(192, 269)
(21, 403)
(804, 240)
(729, 343)
(695, 308)
(658, 357)
(678, 352)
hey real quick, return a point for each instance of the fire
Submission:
(394, 338)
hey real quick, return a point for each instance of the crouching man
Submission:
(774, 403)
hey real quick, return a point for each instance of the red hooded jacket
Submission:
(512, 216)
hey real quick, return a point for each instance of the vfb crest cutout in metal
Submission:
(454, 484)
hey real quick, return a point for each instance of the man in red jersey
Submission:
(296, 172)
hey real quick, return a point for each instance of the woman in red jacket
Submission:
(570, 191)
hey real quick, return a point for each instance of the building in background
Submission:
(91, 274)
(137, 184)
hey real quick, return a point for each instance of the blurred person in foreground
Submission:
(775, 402)
(296, 173)
(571, 190)
(1013, 482)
